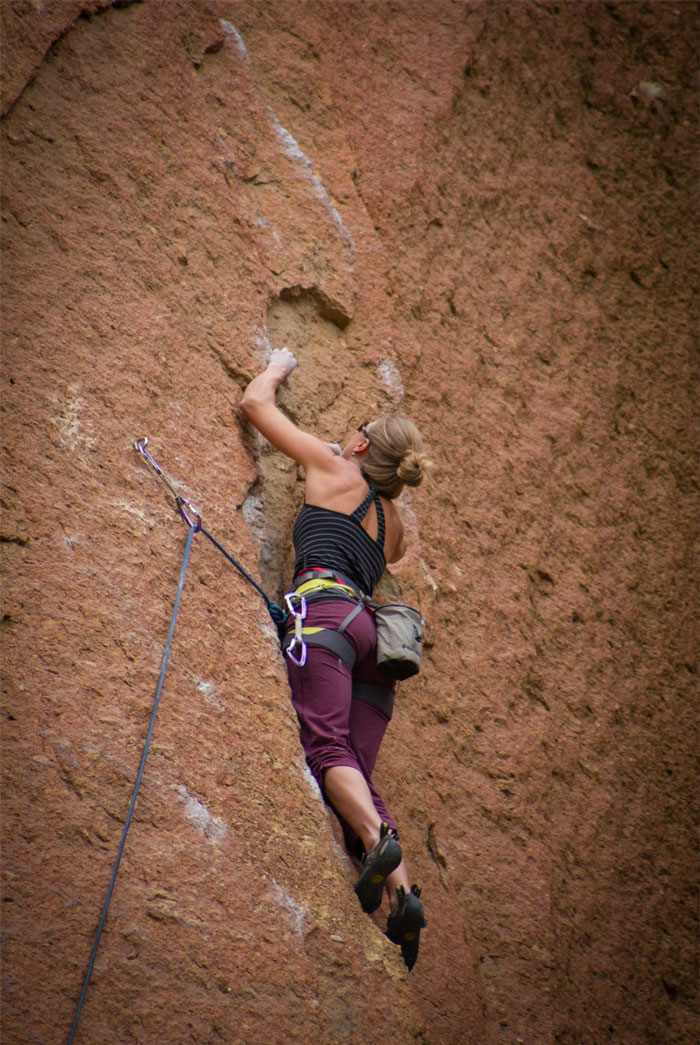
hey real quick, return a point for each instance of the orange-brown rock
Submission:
(487, 215)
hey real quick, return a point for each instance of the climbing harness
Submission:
(399, 628)
(331, 639)
(194, 521)
(312, 586)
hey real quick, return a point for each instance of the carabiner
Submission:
(181, 502)
(140, 445)
(301, 660)
(289, 599)
(298, 640)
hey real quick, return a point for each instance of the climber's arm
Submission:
(395, 525)
(259, 406)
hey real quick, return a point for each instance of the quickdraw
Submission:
(186, 507)
(182, 503)
(298, 639)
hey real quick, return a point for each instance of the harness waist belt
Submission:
(329, 575)
(314, 590)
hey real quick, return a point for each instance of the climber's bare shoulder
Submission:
(335, 484)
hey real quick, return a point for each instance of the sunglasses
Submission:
(363, 428)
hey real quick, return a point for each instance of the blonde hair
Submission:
(395, 455)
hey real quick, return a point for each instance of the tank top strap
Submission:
(363, 508)
(381, 521)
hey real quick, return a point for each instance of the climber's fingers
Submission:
(283, 358)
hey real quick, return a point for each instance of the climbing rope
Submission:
(137, 785)
(278, 614)
(194, 520)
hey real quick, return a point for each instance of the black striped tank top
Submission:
(328, 540)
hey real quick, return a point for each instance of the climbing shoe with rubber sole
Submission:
(378, 865)
(405, 923)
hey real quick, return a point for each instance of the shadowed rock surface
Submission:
(485, 214)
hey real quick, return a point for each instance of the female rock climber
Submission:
(347, 530)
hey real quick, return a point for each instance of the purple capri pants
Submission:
(339, 727)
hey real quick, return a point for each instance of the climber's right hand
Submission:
(282, 360)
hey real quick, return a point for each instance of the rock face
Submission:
(487, 215)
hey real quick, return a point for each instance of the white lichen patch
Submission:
(207, 688)
(200, 817)
(270, 632)
(75, 431)
(427, 574)
(651, 93)
(391, 379)
(254, 516)
(311, 783)
(292, 150)
(209, 692)
(410, 519)
(231, 31)
(295, 913)
(147, 520)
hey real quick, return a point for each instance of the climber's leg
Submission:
(349, 794)
(341, 737)
(397, 878)
(322, 695)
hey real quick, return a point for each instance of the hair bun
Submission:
(410, 470)
(395, 455)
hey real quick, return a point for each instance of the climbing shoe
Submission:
(378, 864)
(405, 923)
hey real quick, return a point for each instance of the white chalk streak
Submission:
(289, 145)
(291, 148)
(391, 378)
(231, 30)
(263, 346)
(296, 914)
(200, 817)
